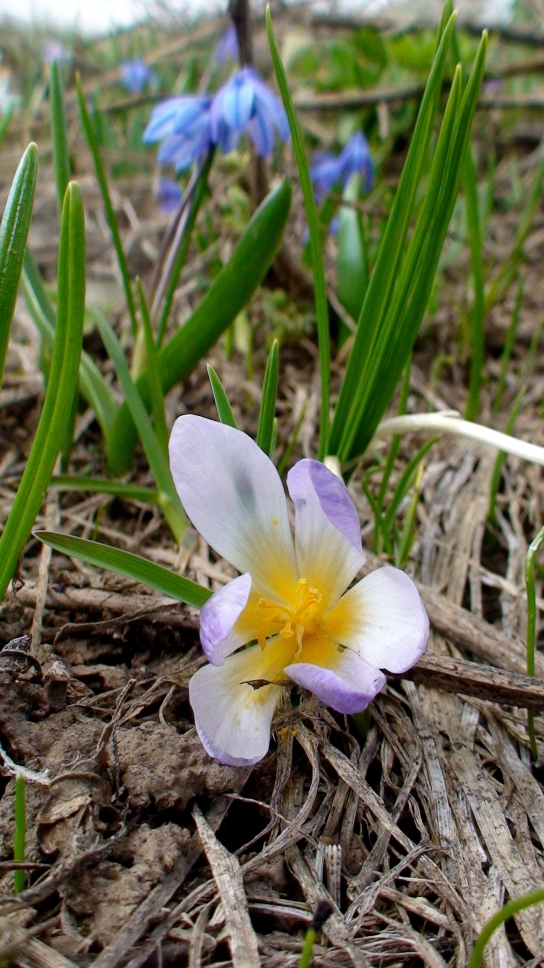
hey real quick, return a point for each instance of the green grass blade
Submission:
(352, 270)
(508, 911)
(224, 409)
(108, 207)
(129, 566)
(321, 304)
(61, 388)
(61, 155)
(267, 409)
(92, 384)
(13, 235)
(227, 296)
(155, 388)
(180, 245)
(392, 245)
(477, 336)
(156, 457)
(96, 485)
(19, 840)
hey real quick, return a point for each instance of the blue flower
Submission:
(135, 74)
(227, 48)
(246, 103)
(53, 50)
(182, 124)
(329, 170)
(168, 195)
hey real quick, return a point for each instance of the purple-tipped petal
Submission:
(383, 619)
(348, 688)
(219, 616)
(327, 531)
(232, 718)
(233, 495)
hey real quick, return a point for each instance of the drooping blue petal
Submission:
(326, 172)
(174, 116)
(246, 103)
(261, 132)
(135, 74)
(356, 158)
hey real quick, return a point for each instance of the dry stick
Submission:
(227, 875)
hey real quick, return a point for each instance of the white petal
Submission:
(233, 718)
(233, 495)
(327, 531)
(383, 619)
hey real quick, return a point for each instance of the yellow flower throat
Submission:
(292, 620)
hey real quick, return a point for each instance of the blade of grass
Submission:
(392, 244)
(61, 155)
(321, 305)
(19, 840)
(155, 387)
(156, 457)
(129, 566)
(477, 336)
(180, 245)
(92, 384)
(96, 485)
(227, 296)
(108, 207)
(61, 388)
(268, 401)
(224, 409)
(13, 235)
(508, 911)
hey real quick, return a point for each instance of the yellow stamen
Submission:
(307, 601)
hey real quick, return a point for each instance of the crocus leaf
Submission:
(13, 236)
(61, 387)
(265, 428)
(224, 409)
(129, 566)
(61, 155)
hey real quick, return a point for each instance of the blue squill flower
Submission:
(246, 103)
(227, 48)
(134, 75)
(182, 124)
(330, 170)
(168, 195)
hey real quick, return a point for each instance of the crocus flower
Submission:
(246, 103)
(168, 195)
(329, 170)
(183, 125)
(293, 598)
(135, 74)
(227, 48)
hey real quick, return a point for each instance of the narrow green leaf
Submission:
(181, 242)
(477, 336)
(19, 840)
(320, 287)
(129, 566)
(352, 270)
(13, 236)
(156, 457)
(108, 207)
(61, 155)
(227, 296)
(391, 250)
(508, 911)
(61, 388)
(224, 409)
(92, 384)
(96, 485)
(268, 400)
(155, 388)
